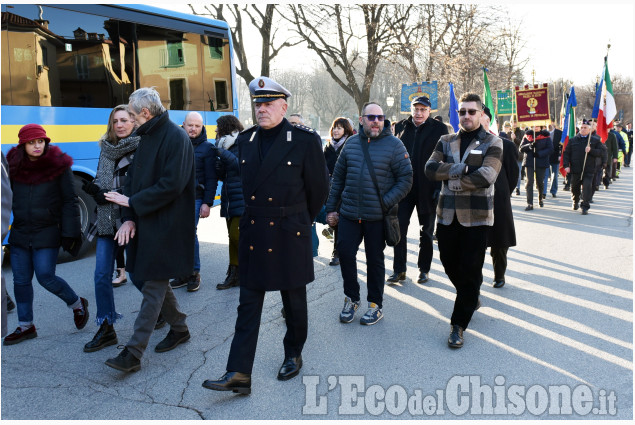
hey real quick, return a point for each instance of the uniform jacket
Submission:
(45, 205)
(161, 189)
(353, 185)
(574, 154)
(503, 233)
(420, 142)
(611, 146)
(283, 194)
(540, 149)
(474, 204)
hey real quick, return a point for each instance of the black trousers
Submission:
(426, 230)
(499, 261)
(462, 251)
(351, 234)
(587, 189)
(243, 348)
(529, 185)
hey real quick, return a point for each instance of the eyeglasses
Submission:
(375, 117)
(470, 111)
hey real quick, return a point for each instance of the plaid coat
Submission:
(473, 203)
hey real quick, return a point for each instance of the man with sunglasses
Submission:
(419, 133)
(360, 215)
(468, 164)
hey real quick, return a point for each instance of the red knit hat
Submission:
(31, 132)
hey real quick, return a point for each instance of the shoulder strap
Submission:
(371, 170)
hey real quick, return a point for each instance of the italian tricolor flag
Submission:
(606, 105)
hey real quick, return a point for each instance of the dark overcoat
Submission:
(283, 194)
(161, 187)
(503, 233)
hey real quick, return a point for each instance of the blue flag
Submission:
(454, 110)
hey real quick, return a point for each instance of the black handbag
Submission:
(392, 234)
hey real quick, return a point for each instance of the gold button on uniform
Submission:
(251, 247)
(271, 223)
(269, 250)
(289, 163)
(298, 233)
(253, 198)
(252, 222)
(270, 199)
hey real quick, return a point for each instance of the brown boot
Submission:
(120, 279)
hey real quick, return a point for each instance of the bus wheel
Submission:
(86, 213)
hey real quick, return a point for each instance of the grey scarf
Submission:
(339, 143)
(110, 155)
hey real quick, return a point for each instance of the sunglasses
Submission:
(470, 111)
(375, 117)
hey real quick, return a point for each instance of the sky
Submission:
(564, 39)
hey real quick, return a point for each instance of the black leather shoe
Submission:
(172, 339)
(125, 362)
(529, 208)
(585, 211)
(290, 368)
(231, 280)
(423, 277)
(104, 337)
(396, 277)
(553, 195)
(456, 337)
(335, 260)
(499, 283)
(575, 206)
(231, 381)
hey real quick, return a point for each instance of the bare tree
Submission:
(330, 31)
(263, 21)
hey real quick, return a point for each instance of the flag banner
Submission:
(604, 109)
(533, 106)
(505, 104)
(568, 126)
(426, 88)
(489, 102)
(454, 110)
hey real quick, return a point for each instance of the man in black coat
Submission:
(579, 158)
(502, 234)
(285, 183)
(554, 162)
(419, 133)
(159, 199)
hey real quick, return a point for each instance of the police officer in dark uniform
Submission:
(285, 183)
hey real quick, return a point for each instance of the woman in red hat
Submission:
(45, 217)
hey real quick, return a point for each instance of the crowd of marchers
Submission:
(155, 180)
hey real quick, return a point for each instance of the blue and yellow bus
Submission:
(66, 66)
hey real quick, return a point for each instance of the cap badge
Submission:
(261, 83)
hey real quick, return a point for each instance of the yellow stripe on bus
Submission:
(58, 133)
(71, 133)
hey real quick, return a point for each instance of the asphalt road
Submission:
(556, 342)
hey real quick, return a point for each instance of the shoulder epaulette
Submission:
(305, 128)
(253, 127)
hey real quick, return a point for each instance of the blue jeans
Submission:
(104, 266)
(520, 174)
(41, 261)
(197, 258)
(555, 168)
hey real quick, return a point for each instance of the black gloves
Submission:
(72, 245)
(96, 192)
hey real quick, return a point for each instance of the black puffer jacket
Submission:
(538, 149)
(232, 203)
(205, 161)
(331, 154)
(353, 185)
(44, 200)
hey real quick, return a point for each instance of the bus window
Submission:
(170, 61)
(58, 57)
(217, 73)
